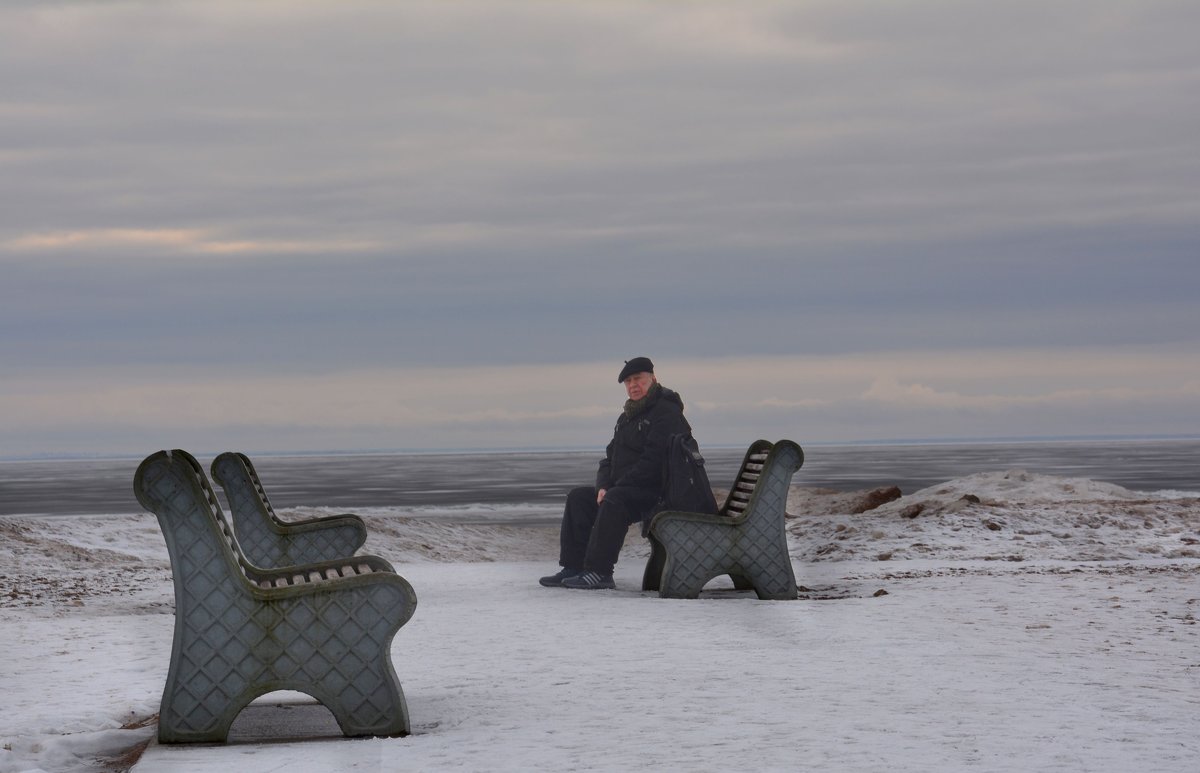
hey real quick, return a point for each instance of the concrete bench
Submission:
(265, 538)
(241, 631)
(746, 540)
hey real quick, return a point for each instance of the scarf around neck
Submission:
(634, 407)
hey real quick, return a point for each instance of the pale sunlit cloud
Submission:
(729, 400)
(162, 241)
(387, 397)
(108, 237)
(733, 30)
(1015, 372)
(913, 395)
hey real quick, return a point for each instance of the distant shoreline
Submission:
(506, 484)
(874, 443)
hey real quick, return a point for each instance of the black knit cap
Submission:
(636, 365)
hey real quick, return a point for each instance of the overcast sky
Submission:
(286, 226)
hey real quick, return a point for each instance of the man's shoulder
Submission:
(669, 401)
(667, 413)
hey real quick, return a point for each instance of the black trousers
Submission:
(592, 535)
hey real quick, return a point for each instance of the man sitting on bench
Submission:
(628, 482)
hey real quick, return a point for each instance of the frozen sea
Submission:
(530, 486)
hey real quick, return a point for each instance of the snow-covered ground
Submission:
(1000, 622)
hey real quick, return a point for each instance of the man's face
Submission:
(638, 384)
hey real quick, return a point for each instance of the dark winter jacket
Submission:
(636, 453)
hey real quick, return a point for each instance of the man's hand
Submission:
(600, 495)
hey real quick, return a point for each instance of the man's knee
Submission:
(581, 495)
(580, 509)
(632, 503)
(627, 496)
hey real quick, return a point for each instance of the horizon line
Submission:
(997, 440)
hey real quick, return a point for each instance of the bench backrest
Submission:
(747, 479)
(258, 487)
(205, 558)
(201, 540)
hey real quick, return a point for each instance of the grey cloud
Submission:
(528, 182)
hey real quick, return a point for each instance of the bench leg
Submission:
(377, 710)
(778, 583)
(652, 577)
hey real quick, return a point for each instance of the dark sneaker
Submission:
(590, 581)
(555, 580)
